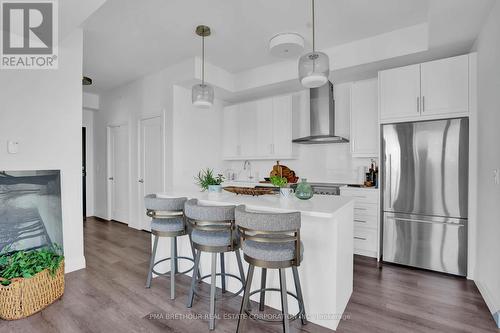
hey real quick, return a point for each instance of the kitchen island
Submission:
(326, 271)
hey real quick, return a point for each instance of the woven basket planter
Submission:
(24, 297)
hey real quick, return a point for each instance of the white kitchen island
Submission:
(326, 272)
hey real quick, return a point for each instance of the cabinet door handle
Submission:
(358, 208)
(360, 238)
(423, 103)
(418, 104)
(361, 221)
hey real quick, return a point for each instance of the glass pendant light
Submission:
(203, 94)
(314, 67)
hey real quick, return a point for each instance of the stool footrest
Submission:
(277, 321)
(220, 296)
(170, 258)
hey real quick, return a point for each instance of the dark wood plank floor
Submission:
(109, 296)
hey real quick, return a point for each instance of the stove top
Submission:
(324, 188)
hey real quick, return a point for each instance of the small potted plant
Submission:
(282, 183)
(30, 280)
(208, 181)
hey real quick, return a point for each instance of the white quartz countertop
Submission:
(325, 206)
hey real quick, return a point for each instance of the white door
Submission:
(150, 163)
(282, 126)
(364, 118)
(118, 174)
(400, 93)
(445, 86)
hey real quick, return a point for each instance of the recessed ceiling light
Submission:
(286, 45)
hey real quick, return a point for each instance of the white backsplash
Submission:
(331, 163)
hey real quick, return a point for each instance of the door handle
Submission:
(418, 104)
(141, 181)
(423, 103)
(111, 178)
(361, 221)
(390, 180)
(360, 238)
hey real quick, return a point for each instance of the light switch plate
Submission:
(12, 147)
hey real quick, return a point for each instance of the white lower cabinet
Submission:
(260, 129)
(366, 220)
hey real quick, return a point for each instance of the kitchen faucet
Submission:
(247, 165)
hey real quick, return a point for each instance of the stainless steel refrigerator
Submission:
(425, 190)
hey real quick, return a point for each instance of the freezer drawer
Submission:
(434, 243)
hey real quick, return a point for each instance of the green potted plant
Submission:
(30, 280)
(282, 183)
(208, 181)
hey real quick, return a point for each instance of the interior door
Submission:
(400, 92)
(150, 164)
(118, 172)
(445, 86)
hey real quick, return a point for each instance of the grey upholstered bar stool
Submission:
(271, 241)
(213, 231)
(167, 221)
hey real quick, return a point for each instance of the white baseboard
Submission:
(490, 301)
(74, 264)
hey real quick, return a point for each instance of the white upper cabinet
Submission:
(247, 123)
(400, 92)
(432, 90)
(282, 126)
(265, 127)
(231, 131)
(445, 86)
(259, 129)
(364, 118)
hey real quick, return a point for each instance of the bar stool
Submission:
(271, 241)
(213, 231)
(167, 221)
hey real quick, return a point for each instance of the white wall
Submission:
(148, 96)
(197, 139)
(324, 162)
(88, 123)
(488, 232)
(42, 110)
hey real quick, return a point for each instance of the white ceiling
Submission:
(126, 39)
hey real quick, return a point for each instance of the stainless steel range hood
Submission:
(322, 107)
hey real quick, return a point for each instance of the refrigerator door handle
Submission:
(425, 221)
(390, 180)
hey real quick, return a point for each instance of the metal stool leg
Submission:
(211, 323)
(284, 301)
(175, 255)
(246, 296)
(172, 267)
(262, 287)
(240, 265)
(223, 272)
(194, 254)
(196, 271)
(152, 262)
(298, 289)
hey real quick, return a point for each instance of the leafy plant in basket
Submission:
(25, 264)
(207, 179)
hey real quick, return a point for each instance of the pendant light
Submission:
(203, 94)
(314, 67)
